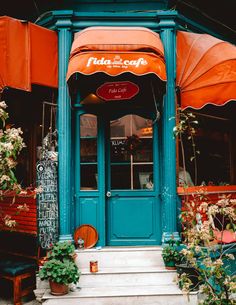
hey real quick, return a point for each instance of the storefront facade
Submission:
(123, 214)
(128, 195)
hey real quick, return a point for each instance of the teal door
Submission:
(132, 176)
(119, 180)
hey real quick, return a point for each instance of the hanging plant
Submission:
(133, 143)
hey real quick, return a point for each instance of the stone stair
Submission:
(126, 276)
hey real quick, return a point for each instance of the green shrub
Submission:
(62, 272)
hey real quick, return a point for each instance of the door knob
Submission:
(108, 194)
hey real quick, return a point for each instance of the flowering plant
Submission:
(11, 143)
(214, 264)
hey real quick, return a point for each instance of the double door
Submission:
(117, 179)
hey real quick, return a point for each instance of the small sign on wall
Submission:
(114, 91)
(47, 203)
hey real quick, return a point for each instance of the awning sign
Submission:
(118, 61)
(113, 91)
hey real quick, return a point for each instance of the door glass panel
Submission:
(88, 152)
(143, 176)
(118, 171)
(88, 177)
(131, 151)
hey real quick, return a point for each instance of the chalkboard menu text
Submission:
(47, 203)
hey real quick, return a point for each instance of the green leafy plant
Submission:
(171, 253)
(60, 266)
(62, 250)
(60, 271)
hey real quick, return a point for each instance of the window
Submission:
(213, 163)
(131, 150)
(88, 152)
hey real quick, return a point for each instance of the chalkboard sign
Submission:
(47, 203)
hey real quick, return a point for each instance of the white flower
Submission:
(230, 256)
(198, 249)
(9, 222)
(4, 178)
(213, 210)
(6, 146)
(23, 207)
(218, 262)
(3, 105)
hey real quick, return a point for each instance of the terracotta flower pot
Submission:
(58, 289)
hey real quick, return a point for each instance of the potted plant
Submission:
(171, 254)
(60, 268)
(204, 224)
(62, 250)
(214, 264)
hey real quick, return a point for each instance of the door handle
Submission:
(108, 194)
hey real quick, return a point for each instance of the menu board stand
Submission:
(47, 203)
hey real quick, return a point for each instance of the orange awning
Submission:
(28, 55)
(117, 50)
(206, 70)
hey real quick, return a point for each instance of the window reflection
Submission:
(88, 177)
(88, 125)
(120, 177)
(88, 152)
(131, 149)
(212, 164)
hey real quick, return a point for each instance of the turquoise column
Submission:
(168, 191)
(63, 26)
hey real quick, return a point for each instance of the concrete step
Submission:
(120, 277)
(129, 277)
(123, 295)
(126, 276)
(121, 257)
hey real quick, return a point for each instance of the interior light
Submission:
(91, 99)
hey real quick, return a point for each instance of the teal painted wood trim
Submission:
(64, 132)
(101, 182)
(77, 162)
(81, 20)
(156, 160)
(86, 19)
(97, 195)
(168, 191)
